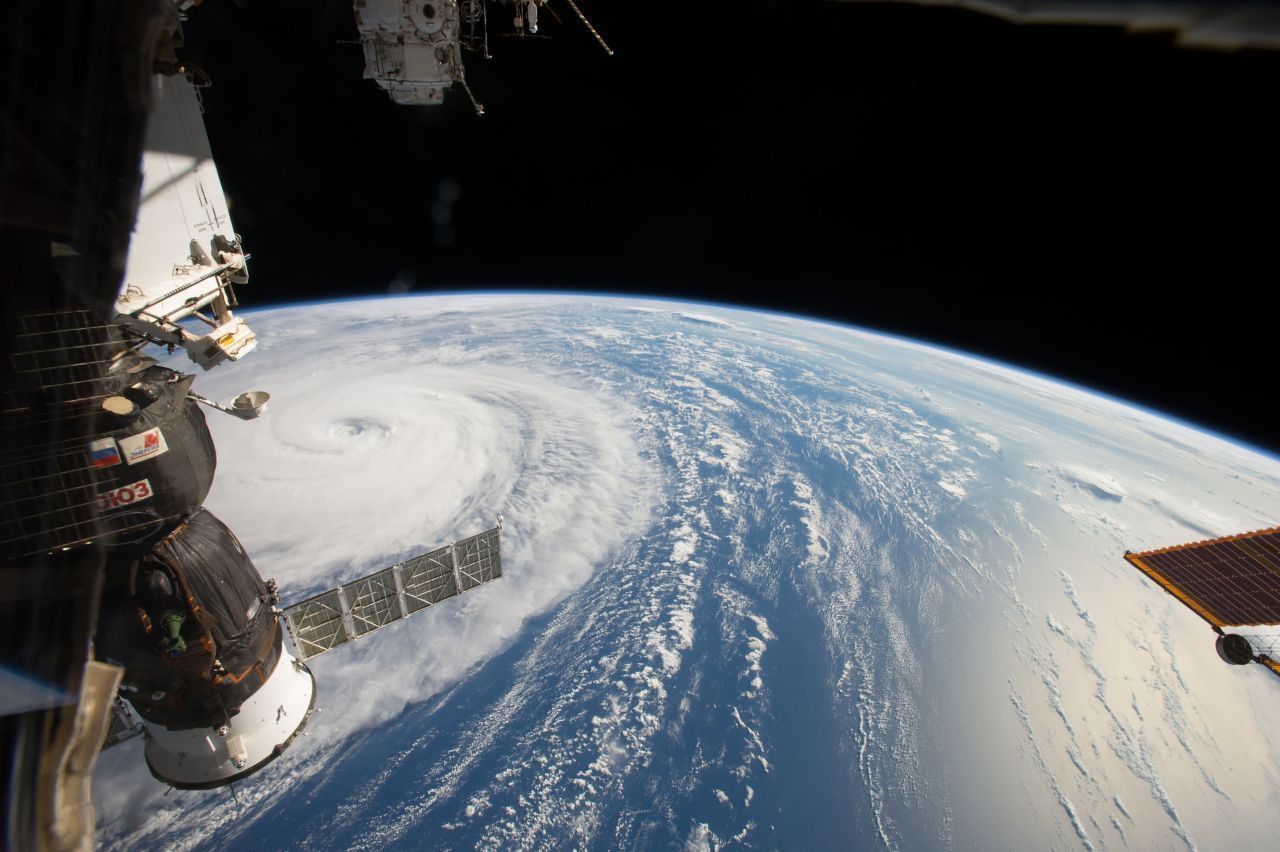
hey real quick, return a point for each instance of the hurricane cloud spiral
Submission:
(768, 582)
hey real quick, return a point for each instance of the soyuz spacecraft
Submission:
(189, 638)
(186, 615)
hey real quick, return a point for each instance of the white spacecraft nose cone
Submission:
(268, 722)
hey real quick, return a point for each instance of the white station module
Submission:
(411, 47)
(185, 257)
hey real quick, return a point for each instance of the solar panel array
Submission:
(1227, 581)
(372, 601)
(478, 560)
(338, 616)
(317, 624)
(428, 579)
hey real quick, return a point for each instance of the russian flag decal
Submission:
(103, 453)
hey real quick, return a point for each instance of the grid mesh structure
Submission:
(373, 601)
(478, 559)
(1266, 647)
(317, 624)
(49, 499)
(1227, 581)
(63, 354)
(48, 488)
(338, 616)
(427, 579)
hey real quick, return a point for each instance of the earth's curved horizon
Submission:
(770, 581)
(679, 303)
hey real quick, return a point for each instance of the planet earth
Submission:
(768, 582)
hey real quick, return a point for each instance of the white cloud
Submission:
(397, 447)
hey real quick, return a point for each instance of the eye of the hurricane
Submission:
(360, 429)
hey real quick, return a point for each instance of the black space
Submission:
(1093, 204)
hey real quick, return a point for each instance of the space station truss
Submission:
(1230, 582)
(344, 614)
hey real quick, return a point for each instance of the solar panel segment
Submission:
(373, 601)
(427, 579)
(1233, 580)
(317, 624)
(338, 616)
(478, 559)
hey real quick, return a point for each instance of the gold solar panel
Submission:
(1227, 581)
